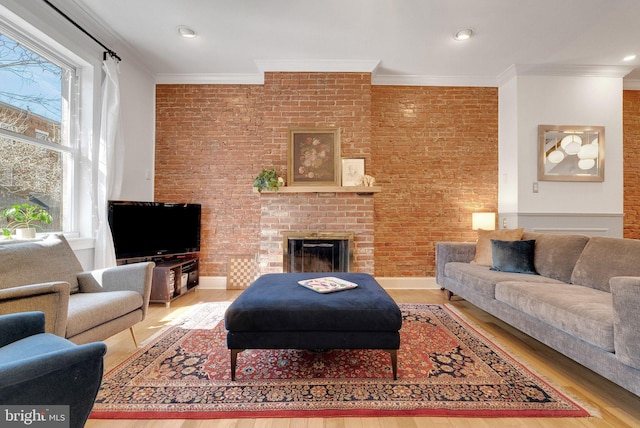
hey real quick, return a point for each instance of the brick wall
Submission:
(209, 147)
(316, 100)
(433, 150)
(631, 144)
(435, 154)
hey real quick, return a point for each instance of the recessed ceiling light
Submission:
(629, 58)
(186, 32)
(465, 34)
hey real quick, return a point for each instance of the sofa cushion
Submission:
(88, 310)
(483, 280)
(513, 256)
(581, 311)
(604, 258)
(483, 246)
(34, 262)
(556, 254)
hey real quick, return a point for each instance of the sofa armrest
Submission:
(14, 327)
(452, 252)
(51, 298)
(625, 291)
(133, 277)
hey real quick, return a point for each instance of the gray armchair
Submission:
(42, 369)
(45, 275)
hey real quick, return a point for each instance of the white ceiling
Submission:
(401, 41)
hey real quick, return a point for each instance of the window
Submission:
(36, 134)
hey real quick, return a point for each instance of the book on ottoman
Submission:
(327, 284)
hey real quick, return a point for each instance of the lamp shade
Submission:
(485, 221)
(570, 139)
(585, 164)
(555, 156)
(588, 151)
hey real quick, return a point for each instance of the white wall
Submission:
(584, 101)
(138, 120)
(508, 148)
(560, 100)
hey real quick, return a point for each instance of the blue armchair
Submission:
(38, 368)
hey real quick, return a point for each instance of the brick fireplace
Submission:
(316, 213)
(310, 251)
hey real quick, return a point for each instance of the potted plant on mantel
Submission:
(23, 219)
(268, 179)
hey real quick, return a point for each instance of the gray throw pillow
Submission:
(513, 256)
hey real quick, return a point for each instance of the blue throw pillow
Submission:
(513, 256)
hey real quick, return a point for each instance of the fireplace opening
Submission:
(317, 252)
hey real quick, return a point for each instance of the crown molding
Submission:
(364, 66)
(631, 84)
(209, 79)
(317, 65)
(381, 80)
(563, 70)
(419, 80)
(264, 66)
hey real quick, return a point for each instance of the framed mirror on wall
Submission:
(570, 153)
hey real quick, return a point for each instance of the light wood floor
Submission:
(611, 405)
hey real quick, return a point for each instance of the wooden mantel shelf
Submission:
(324, 189)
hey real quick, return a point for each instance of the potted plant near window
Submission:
(23, 219)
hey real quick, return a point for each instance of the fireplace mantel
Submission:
(324, 189)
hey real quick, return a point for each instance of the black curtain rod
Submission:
(109, 52)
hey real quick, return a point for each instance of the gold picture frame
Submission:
(314, 157)
(570, 153)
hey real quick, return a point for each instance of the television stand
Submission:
(174, 278)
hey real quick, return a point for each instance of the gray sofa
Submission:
(45, 275)
(584, 300)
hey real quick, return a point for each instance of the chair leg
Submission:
(133, 335)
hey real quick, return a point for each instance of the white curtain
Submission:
(110, 159)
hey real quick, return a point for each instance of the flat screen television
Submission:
(154, 229)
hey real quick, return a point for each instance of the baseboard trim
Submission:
(389, 283)
(212, 282)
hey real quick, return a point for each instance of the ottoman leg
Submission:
(234, 359)
(394, 362)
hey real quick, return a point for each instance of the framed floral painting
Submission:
(314, 157)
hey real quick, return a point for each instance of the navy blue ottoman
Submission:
(275, 312)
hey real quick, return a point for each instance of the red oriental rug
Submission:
(446, 367)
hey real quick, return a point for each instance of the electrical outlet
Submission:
(535, 187)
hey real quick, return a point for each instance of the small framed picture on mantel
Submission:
(314, 157)
(352, 171)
